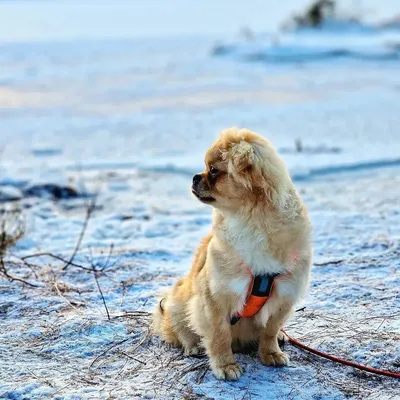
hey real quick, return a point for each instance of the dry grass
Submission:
(12, 229)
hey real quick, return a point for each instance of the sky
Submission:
(38, 20)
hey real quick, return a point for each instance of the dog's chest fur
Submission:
(251, 245)
(249, 249)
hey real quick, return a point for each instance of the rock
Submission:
(46, 152)
(221, 50)
(9, 193)
(51, 190)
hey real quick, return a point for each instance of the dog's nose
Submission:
(196, 179)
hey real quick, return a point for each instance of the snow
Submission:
(123, 115)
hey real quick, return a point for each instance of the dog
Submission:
(260, 231)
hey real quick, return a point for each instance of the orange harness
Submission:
(258, 293)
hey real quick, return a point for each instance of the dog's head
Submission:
(242, 168)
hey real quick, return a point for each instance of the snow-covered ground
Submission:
(125, 120)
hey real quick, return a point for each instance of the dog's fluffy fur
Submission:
(260, 223)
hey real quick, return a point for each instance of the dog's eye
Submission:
(213, 171)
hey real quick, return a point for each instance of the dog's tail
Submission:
(161, 306)
(159, 314)
(162, 321)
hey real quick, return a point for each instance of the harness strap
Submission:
(259, 291)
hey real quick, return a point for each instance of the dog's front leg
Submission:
(218, 343)
(269, 350)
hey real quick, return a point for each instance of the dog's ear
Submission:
(243, 163)
(252, 166)
(242, 156)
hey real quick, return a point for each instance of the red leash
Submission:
(340, 360)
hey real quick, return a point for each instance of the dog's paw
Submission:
(282, 338)
(278, 359)
(193, 351)
(230, 372)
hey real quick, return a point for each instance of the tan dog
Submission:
(260, 227)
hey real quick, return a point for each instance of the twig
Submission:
(55, 256)
(200, 377)
(193, 367)
(29, 265)
(247, 392)
(65, 299)
(60, 390)
(9, 240)
(142, 340)
(101, 293)
(106, 351)
(95, 272)
(4, 271)
(334, 262)
(5, 242)
(14, 278)
(133, 358)
(108, 256)
(89, 211)
(46, 381)
(133, 314)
